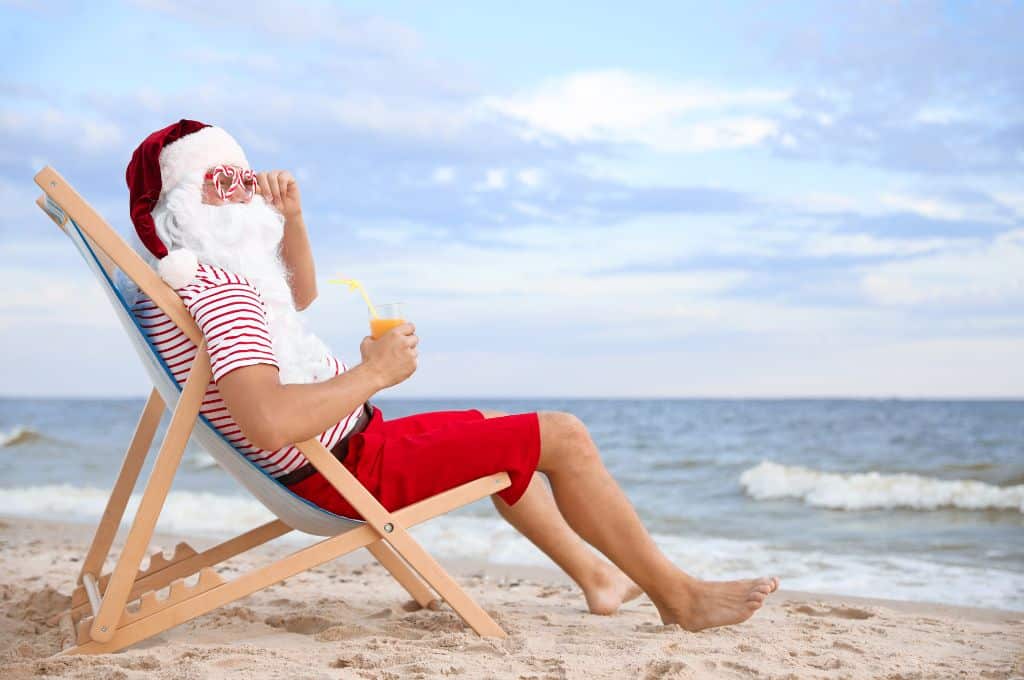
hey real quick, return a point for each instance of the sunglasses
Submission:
(227, 179)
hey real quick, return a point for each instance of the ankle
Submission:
(674, 588)
(593, 576)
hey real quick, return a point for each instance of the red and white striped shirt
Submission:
(233, 319)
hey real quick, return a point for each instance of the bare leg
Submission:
(597, 509)
(536, 516)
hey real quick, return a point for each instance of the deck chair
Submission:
(114, 610)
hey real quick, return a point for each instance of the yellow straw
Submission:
(355, 285)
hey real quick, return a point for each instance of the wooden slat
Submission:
(115, 596)
(160, 573)
(306, 558)
(109, 242)
(397, 567)
(134, 458)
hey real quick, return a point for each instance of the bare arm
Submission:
(280, 189)
(298, 257)
(272, 415)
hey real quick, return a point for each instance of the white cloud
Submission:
(1012, 200)
(494, 178)
(530, 177)
(443, 175)
(941, 114)
(830, 245)
(89, 134)
(207, 56)
(929, 207)
(978, 274)
(620, 106)
(970, 367)
(32, 295)
(430, 120)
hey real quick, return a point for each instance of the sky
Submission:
(652, 199)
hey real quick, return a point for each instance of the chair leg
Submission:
(415, 586)
(164, 468)
(439, 579)
(394, 532)
(126, 479)
(190, 603)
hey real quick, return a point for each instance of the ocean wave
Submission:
(19, 434)
(874, 490)
(184, 512)
(201, 460)
(490, 539)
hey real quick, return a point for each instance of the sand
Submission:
(348, 619)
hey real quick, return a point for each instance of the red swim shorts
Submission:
(405, 460)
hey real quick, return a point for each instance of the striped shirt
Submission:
(233, 318)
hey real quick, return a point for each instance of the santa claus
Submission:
(233, 244)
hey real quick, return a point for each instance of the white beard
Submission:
(244, 239)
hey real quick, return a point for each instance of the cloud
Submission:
(89, 134)
(494, 178)
(911, 86)
(987, 274)
(443, 174)
(622, 107)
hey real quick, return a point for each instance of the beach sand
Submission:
(349, 619)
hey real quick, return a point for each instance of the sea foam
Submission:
(19, 434)
(875, 490)
(490, 539)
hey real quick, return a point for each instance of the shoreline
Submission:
(348, 618)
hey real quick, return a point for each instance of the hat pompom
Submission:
(178, 268)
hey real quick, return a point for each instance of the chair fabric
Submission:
(292, 509)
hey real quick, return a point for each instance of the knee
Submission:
(568, 433)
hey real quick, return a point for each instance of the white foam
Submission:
(867, 490)
(19, 434)
(184, 511)
(490, 539)
(201, 460)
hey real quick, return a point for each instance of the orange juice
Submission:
(379, 327)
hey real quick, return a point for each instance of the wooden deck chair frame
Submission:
(114, 610)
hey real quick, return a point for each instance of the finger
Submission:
(264, 185)
(407, 328)
(275, 189)
(289, 187)
(413, 340)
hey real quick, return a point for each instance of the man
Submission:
(233, 243)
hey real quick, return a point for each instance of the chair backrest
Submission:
(292, 509)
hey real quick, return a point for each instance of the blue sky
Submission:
(573, 199)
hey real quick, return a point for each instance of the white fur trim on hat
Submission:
(196, 153)
(178, 268)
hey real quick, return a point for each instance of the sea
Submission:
(902, 499)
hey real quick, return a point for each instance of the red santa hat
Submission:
(184, 150)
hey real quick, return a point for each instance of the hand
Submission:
(280, 190)
(393, 356)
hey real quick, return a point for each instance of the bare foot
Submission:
(609, 590)
(707, 604)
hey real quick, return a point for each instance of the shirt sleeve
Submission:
(233, 319)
